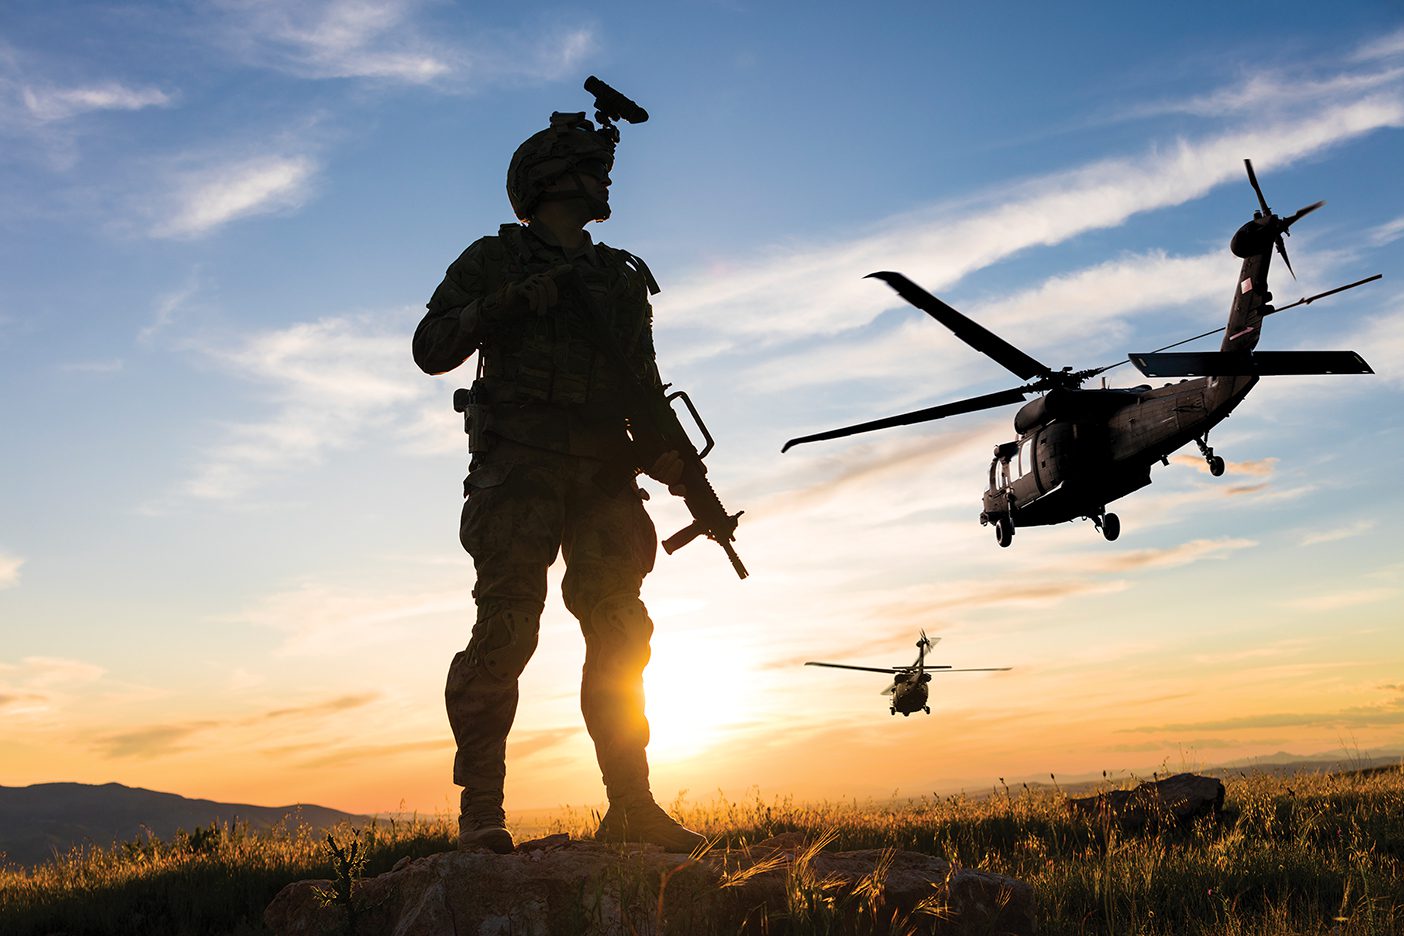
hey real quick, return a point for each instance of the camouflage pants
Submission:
(524, 505)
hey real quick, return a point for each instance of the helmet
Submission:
(570, 143)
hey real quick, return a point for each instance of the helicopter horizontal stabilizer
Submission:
(1250, 364)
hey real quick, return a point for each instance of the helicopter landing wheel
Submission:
(1004, 531)
(1111, 527)
(1216, 465)
(926, 709)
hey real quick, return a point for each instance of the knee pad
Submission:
(504, 640)
(620, 623)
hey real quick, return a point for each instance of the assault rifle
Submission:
(654, 430)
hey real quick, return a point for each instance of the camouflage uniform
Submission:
(546, 475)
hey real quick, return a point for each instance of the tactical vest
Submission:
(545, 378)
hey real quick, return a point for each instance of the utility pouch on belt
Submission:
(476, 416)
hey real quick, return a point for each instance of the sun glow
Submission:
(696, 694)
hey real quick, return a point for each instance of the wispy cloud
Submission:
(527, 743)
(1338, 600)
(45, 104)
(1265, 92)
(19, 703)
(152, 741)
(1390, 45)
(328, 707)
(1089, 308)
(331, 381)
(798, 293)
(1386, 233)
(369, 753)
(43, 117)
(1345, 718)
(168, 306)
(389, 40)
(1338, 533)
(37, 686)
(207, 198)
(1382, 339)
(42, 672)
(10, 570)
(324, 620)
(333, 38)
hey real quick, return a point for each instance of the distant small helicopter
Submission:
(1079, 450)
(909, 683)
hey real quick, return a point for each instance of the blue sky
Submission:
(228, 501)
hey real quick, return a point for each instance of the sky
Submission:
(229, 564)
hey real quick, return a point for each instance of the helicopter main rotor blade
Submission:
(977, 336)
(987, 401)
(1308, 300)
(889, 670)
(975, 669)
(1253, 178)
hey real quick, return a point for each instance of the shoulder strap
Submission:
(512, 235)
(634, 263)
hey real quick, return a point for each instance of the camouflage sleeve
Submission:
(646, 350)
(461, 314)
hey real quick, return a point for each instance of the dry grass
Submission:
(1309, 854)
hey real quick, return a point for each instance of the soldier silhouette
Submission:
(545, 430)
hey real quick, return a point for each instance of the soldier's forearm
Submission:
(446, 339)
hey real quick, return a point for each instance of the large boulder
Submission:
(558, 885)
(1174, 801)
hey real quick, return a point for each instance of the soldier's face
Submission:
(594, 176)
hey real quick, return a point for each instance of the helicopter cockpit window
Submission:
(1026, 457)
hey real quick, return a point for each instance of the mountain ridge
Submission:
(44, 819)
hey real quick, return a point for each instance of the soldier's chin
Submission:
(600, 209)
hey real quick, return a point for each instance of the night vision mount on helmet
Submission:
(569, 146)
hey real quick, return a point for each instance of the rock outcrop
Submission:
(557, 885)
(1177, 800)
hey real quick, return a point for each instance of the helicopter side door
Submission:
(1045, 457)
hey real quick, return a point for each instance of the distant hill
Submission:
(36, 821)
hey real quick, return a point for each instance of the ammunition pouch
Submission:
(477, 416)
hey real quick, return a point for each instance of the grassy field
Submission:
(1306, 854)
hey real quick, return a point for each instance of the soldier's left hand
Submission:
(669, 469)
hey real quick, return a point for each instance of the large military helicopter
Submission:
(1079, 450)
(909, 683)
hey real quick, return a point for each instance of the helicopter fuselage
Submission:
(909, 692)
(1079, 450)
(1070, 466)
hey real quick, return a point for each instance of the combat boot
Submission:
(482, 824)
(637, 818)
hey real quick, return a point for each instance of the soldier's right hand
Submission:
(536, 294)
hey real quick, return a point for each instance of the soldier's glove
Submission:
(536, 294)
(669, 469)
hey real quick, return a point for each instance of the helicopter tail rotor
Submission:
(1271, 225)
